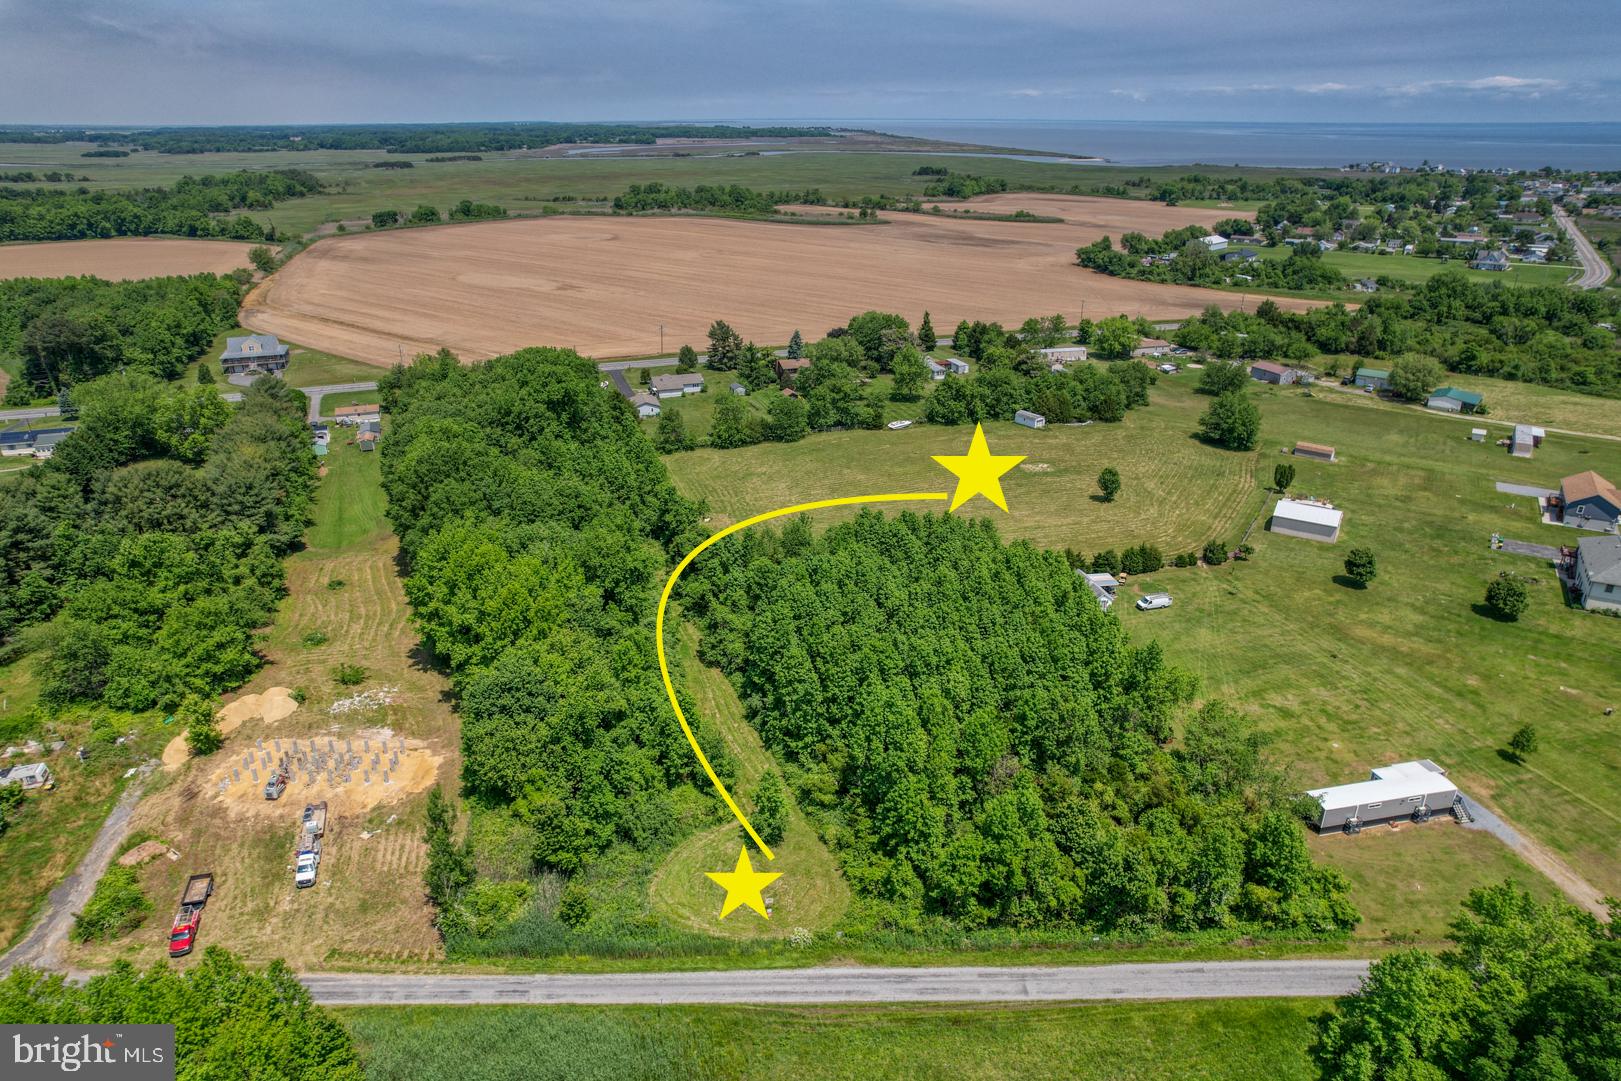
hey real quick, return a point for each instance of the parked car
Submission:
(1150, 601)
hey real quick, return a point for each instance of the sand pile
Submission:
(273, 705)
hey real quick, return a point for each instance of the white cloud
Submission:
(1129, 95)
(1503, 85)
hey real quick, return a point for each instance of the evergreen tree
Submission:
(925, 334)
(67, 410)
(205, 373)
(671, 436)
(1283, 475)
(725, 347)
(796, 345)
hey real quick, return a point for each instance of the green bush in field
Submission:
(1508, 598)
(312, 639)
(349, 675)
(116, 907)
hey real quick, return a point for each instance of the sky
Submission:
(306, 61)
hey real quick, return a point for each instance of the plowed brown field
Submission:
(603, 285)
(122, 258)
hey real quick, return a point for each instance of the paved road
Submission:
(314, 394)
(1596, 269)
(1217, 979)
(1526, 548)
(42, 947)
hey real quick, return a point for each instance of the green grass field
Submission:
(523, 184)
(1342, 679)
(331, 402)
(1185, 1041)
(305, 367)
(1511, 403)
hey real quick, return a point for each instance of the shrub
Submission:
(300, 695)
(1215, 553)
(1232, 421)
(1142, 559)
(116, 907)
(349, 675)
(336, 583)
(203, 734)
(312, 639)
(770, 808)
(1109, 483)
(1283, 475)
(1361, 566)
(1523, 742)
(1507, 597)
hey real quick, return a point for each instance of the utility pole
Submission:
(661, 339)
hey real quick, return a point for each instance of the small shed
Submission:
(739, 389)
(32, 775)
(1527, 438)
(1377, 378)
(1321, 452)
(1453, 400)
(1404, 790)
(1310, 519)
(1477, 434)
(1029, 419)
(1102, 587)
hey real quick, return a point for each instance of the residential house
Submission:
(253, 353)
(1597, 578)
(1318, 451)
(939, 369)
(1214, 242)
(1029, 419)
(1063, 354)
(45, 442)
(1242, 255)
(1377, 378)
(1102, 587)
(1268, 371)
(1588, 501)
(20, 443)
(1153, 347)
(1308, 518)
(739, 389)
(358, 414)
(1489, 260)
(32, 775)
(788, 369)
(647, 405)
(1453, 400)
(1365, 285)
(675, 384)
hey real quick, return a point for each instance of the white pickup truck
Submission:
(307, 862)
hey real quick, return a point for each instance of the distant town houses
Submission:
(253, 353)
(676, 384)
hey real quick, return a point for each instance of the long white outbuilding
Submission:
(1412, 790)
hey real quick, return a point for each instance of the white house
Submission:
(646, 404)
(1214, 242)
(1410, 790)
(939, 369)
(1598, 573)
(1063, 354)
(1308, 518)
(676, 384)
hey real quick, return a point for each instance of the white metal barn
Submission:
(1029, 419)
(1413, 790)
(1306, 518)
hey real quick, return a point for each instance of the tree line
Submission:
(1180, 257)
(67, 331)
(536, 521)
(721, 198)
(397, 138)
(143, 555)
(197, 206)
(982, 746)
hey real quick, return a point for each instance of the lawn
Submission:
(1153, 449)
(1209, 1041)
(1342, 679)
(331, 402)
(305, 367)
(814, 896)
(1510, 403)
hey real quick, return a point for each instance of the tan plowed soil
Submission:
(122, 258)
(603, 285)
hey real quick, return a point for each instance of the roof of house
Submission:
(793, 364)
(1587, 485)
(1302, 510)
(644, 398)
(1393, 782)
(265, 345)
(1373, 373)
(677, 381)
(367, 437)
(52, 438)
(31, 769)
(1491, 257)
(1467, 397)
(1213, 238)
(1269, 366)
(1524, 433)
(1602, 558)
(1314, 448)
(1153, 343)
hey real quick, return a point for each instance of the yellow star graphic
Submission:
(978, 471)
(743, 885)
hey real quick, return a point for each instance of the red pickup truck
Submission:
(183, 932)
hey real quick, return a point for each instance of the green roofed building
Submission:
(1453, 400)
(1377, 378)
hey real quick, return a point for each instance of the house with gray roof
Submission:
(675, 384)
(1598, 573)
(253, 353)
(646, 405)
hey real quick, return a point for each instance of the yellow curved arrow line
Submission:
(664, 599)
